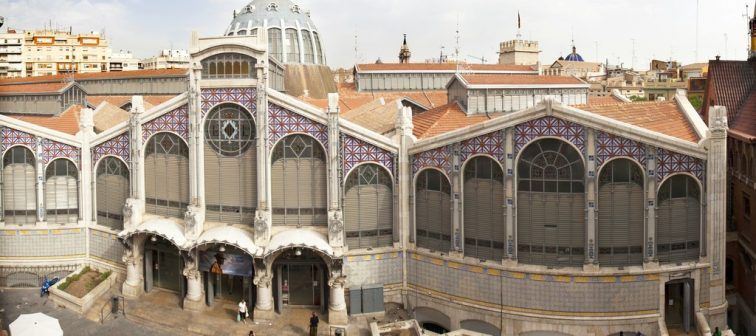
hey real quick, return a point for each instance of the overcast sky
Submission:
(602, 29)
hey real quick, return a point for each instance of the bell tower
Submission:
(404, 52)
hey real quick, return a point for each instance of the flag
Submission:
(519, 22)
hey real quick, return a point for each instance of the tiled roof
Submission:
(32, 88)
(122, 100)
(732, 84)
(378, 116)
(745, 122)
(440, 67)
(108, 115)
(445, 118)
(350, 98)
(661, 117)
(99, 75)
(519, 80)
(66, 122)
(603, 100)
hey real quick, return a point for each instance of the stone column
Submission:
(134, 208)
(40, 171)
(335, 216)
(591, 256)
(133, 257)
(264, 283)
(194, 217)
(649, 259)
(263, 211)
(194, 300)
(458, 221)
(337, 310)
(86, 201)
(716, 211)
(509, 189)
(405, 138)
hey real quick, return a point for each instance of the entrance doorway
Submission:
(162, 266)
(678, 305)
(299, 279)
(227, 274)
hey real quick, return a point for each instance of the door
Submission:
(679, 305)
(209, 289)
(301, 289)
(148, 274)
(168, 271)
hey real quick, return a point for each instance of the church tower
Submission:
(752, 28)
(404, 52)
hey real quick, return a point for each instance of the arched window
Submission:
(433, 219)
(620, 214)
(230, 165)
(368, 207)
(484, 209)
(298, 176)
(292, 51)
(62, 192)
(550, 204)
(229, 65)
(309, 56)
(678, 220)
(166, 175)
(19, 189)
(319, 48)
(112, 192)
(275, 49)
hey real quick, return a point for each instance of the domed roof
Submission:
(270, 13)
(574, 56)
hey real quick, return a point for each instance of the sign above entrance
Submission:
(225, 263)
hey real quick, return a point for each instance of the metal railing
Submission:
(121, 307)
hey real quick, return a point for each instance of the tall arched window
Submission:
(229, 65)
(292, 50)
(298, 177)
(112, 192)
(309, 56)
(166, 175)
(484, 207)
(368, 207)
(678, 220)
(620, 214)
(230, 165)
(275, 49)
(433, 218)
(62, 192)
(319, 48)
(550, 204)
(19, 189)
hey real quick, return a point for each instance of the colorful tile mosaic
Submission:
(12, 137)
(491, 144)
(282, 122)
(609, 146)
(246, 97)
(549, 126)
(176, 121)
(53, 150)
(117, 146)
(356, 151)
(668, 162)
(440, 158)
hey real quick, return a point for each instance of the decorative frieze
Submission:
(176, 121)
(282, 122)
(12, 137)
(609, 146)
(440, 158)
(246, 97)
(116, 146)
(669, 162)
(357, 151)
(53, 150)
(490, 144)
(549, 126)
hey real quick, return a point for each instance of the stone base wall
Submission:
(56, 243)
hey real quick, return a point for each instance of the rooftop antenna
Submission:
(633, 52)
(596, 43)
(748, 21)
(356, 50)
(725, 51)
(456, 48)
(519, 25)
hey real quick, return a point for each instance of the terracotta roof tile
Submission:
(108, 115)
(445, 118)
(122, 100)
(603, 100)
(661, 117)
(100, 75)
(745, 121)
(32, 88)
(729, 84)
(66, 122)
(350, 98)
(378, 116)
(519, 80)
(440, 67)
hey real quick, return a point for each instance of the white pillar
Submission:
(194, 217)
(716, 210)
(263, 211)
(40, 171)
(591, 257)
(194, 300)
(86, 200)
(133, 257)
(405, 138)
(335, 216)
(458, 236)
(264, 305)
(337, 310)
(133, 210)
(650, 260)
(509, 194)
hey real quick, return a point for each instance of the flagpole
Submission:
(519, 26)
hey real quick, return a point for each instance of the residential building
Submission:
(502, 201)
(11, 58)
(168, 59)
(123, 61)
(52, 52)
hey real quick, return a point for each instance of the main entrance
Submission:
(299, 280)
(678, 311)
(227, 274)
(162, 266)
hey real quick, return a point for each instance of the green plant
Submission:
(696, 101)
(636, 98)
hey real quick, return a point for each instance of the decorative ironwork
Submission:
(176, 121)
(12, 137)
(117, 146)
(549, 126)
(357, 151)
(282, 122)
(669, 162)
(440, 158)
(609, 146)
(246, 97)
(491, 144)
(54, 150)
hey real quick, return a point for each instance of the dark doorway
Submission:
(299, 280)
(433, 327)
(678, 305)
(163, 266)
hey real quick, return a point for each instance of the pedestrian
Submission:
(717, 332)
(243, 311)
(314, 320)
(251, 333)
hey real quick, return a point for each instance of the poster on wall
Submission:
(225, 263)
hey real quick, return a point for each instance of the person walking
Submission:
(717, 332)
(243, 311)
(314, 320)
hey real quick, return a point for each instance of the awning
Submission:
(228, 235)
(163, 227)
(299, 238)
